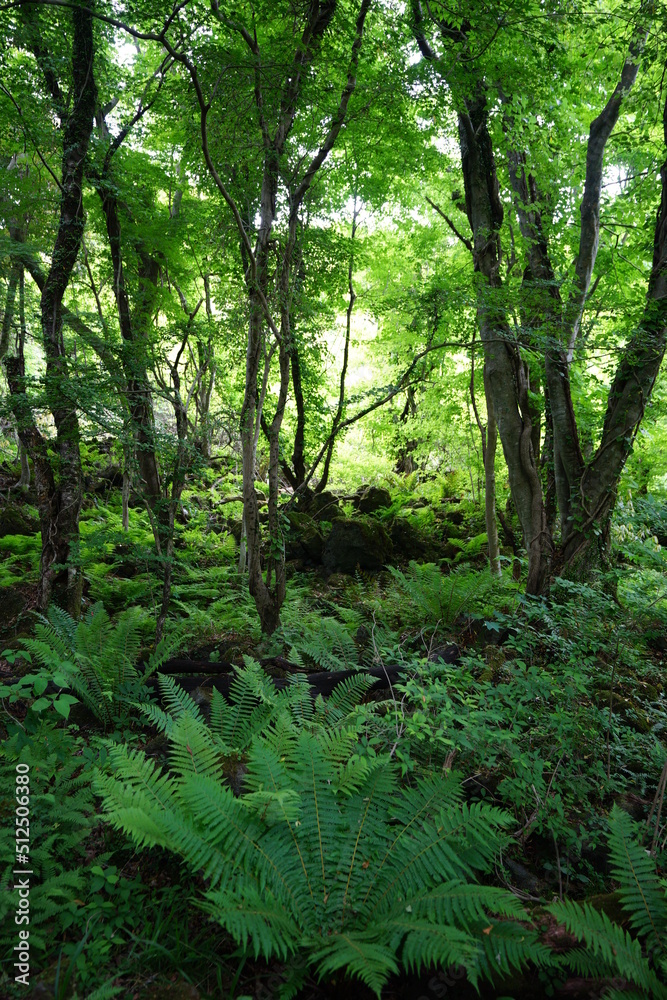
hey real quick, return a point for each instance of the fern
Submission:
(324, 855)
(62, 814)
(436, 597)
(642, 896)
(326, 642)
(93, 657)
(609, 948)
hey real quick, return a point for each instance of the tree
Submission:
(585, 488)
(59, 485)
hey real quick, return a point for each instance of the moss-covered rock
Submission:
(304, 538)
(370, 499)
(356, 542)
(411, 543)
(325, 507)
(14, 521)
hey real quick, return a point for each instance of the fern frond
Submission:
(257, 922)
(176, 699)
(193, 749)
(64, 625)
(605, 941)
(343, 699)
(164, 650)
(360, 954)
(466, 905)
(507, 946)
(642, 896)
(423, 943)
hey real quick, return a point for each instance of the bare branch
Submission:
(466, 242)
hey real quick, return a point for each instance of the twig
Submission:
(466, 242)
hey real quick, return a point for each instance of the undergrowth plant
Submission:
(61, 814)
(436, 598)
(254, 705)
(638, 955)
(95, 658)
(324, 856)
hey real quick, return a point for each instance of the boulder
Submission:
(320, 506)
(359, 542)
(445, 654)
(13, 603)
(13, 521)
(457, 517)
(235, 528)
(304, 539)
(409, 542)
(370, 499)
(324, 507)
(110, 478)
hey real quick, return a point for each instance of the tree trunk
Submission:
(132, 356)
(504, 371)
(59, 500)
(490, 489)
(629, 395)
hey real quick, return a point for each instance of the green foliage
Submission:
(325, 855)
(93, 657)
(254, 706)
(326, 643)
(61, 816)
(609, 949)
(437, 598)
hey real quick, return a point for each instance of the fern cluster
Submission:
(324, 856)
(439, 598)
(95, 658)
(253, 707)
(609, 949)
(62, 814)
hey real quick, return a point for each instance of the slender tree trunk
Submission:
(585, 544)
(340, 409)
(490, 489)
(504, 371)
(489, 439)
(59, 500)
(132, 356)
(126, 498)
(8, 316)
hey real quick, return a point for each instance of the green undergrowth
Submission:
(540, 750)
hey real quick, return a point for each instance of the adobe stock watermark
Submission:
(440, 984)
(22, 873)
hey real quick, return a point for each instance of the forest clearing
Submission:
(333, 499)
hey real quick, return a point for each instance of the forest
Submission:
(333, 499)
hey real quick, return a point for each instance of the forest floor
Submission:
(553, 711)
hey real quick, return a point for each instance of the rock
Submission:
(13, 603)
(418, 504)
(407, 540)
(359, 542)
(522, 878)
(445, 654)
(179, 990)
(304, 539)
(450, 549)
(633, 804)
(324, 507)
(476, 630)
(235, 527)
(110, 478)
(127, 563)
(362, 637)
(13, 521)
(370, 499)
